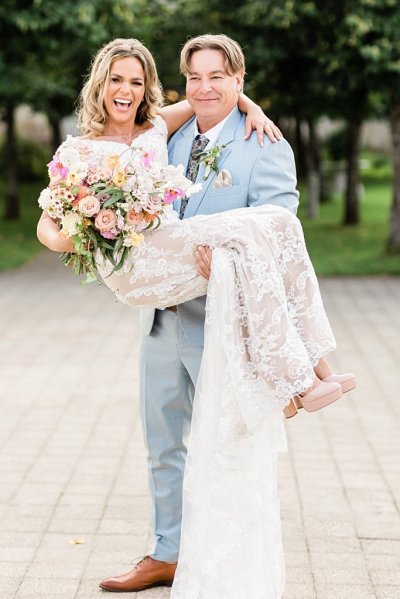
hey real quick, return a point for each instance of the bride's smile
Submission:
(124, 93)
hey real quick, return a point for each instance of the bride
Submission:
(265, 331)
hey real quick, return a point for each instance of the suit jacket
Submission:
(260, 175)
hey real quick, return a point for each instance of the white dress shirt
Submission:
(213, 133)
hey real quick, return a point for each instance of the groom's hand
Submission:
(203, 258)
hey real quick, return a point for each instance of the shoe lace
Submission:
(139, 561)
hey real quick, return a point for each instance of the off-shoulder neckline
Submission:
(120, 143)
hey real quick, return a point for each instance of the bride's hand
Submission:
(49, 234)
(257, 120)
(203, 256)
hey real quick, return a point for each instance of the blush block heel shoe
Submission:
(320, 396)
(347, 381)
(290, 410)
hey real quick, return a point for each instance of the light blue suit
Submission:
(173, 343)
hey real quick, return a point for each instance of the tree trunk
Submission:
(12, 210)
(301, 151)
(55, 133)
(325, 194)
(313, 172)
(394, 235)
(352, 203)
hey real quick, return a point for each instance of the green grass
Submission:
(334, 248)
(18, 242)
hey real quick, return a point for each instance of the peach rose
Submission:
(89, 205)
(105, 220)
(133, 217)
(83, 191)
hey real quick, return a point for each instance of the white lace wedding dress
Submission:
(265, 329)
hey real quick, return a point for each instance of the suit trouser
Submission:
(169, 367)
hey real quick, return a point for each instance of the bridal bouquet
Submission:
(106, 206)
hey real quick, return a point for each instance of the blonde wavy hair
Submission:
(91, 112)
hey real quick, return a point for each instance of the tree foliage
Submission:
(304, 59)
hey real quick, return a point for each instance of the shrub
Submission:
(335, 145)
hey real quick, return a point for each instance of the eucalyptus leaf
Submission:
(106, 245)
(121, 261)
(118, 243)
(113, 200)
(110, 257)
(92, 235)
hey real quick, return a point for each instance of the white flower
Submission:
(81, 169)
(144, 183)
(174, 171)
(194, 188)
(70, 223)
(45, 198)
(129, 183)
(70, 157)
(174, 178)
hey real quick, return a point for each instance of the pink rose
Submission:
(154, 203)
(133, 217)
(89, 205)
(105, 220)
(108, 235)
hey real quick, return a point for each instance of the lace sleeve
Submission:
(160, 125)
(68, 142)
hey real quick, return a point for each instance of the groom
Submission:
(248, 175)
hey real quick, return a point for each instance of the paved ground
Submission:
(74, 506)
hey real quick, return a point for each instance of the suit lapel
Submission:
(225, 138)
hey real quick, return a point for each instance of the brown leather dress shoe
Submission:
(146, 574)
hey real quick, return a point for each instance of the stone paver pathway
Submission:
(74, 506)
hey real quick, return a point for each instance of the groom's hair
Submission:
(233, 54)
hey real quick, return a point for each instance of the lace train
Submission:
(231, 545)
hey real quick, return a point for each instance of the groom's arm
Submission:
(273, 179)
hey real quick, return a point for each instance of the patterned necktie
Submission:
(199, 143)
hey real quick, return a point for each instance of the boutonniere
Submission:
(210, 160)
